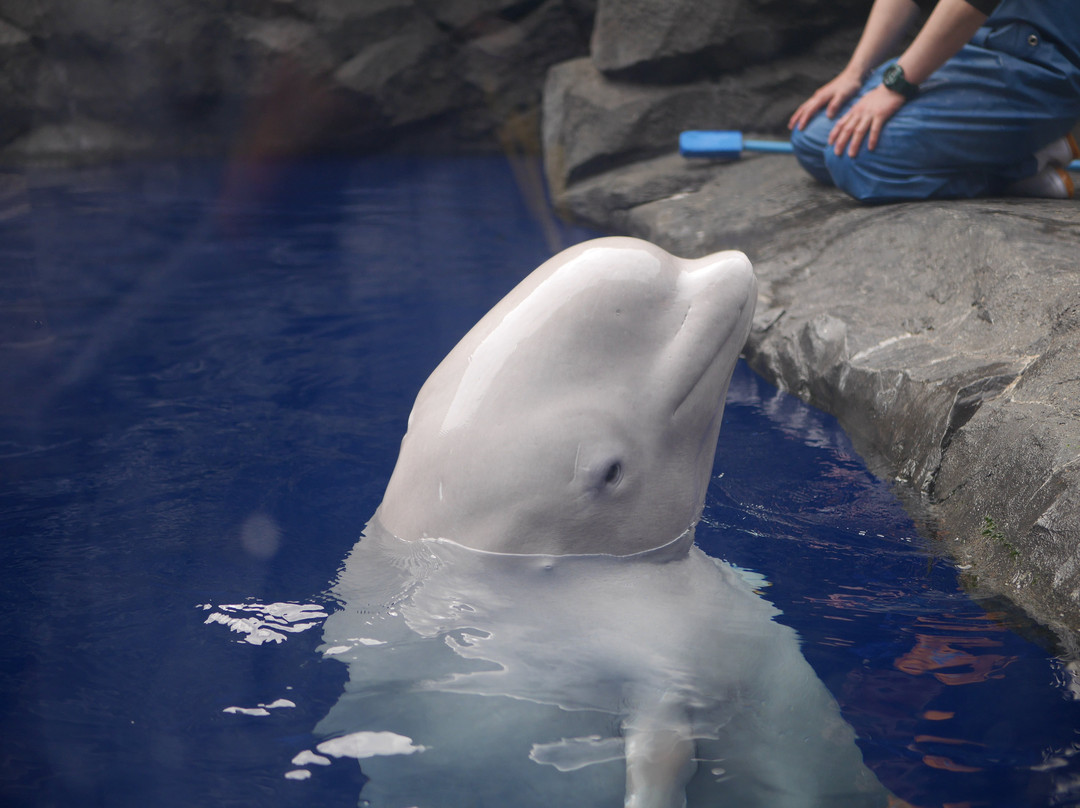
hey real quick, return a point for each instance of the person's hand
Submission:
(865, 119)
(831, 97)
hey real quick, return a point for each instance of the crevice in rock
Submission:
(519, 11)
(969, 398)
(608, 162)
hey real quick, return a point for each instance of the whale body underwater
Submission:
(526, 619)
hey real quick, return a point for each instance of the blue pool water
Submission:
(204, 376)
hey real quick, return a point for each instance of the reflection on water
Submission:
(960, 651)
(539, 680)
(200, 403)
(950, 705)
(957, 643)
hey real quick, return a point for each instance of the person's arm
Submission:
(887, 22)
(951, 26)
(947, 30)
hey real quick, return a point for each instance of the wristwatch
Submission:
(894, 80)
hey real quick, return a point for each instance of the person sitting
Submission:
(980, 103)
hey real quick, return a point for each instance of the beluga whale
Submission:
(526, 620)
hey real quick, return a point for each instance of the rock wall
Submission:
(92, 79)
(943, 335)
(657, 67)
(686, 40)
(592, 123)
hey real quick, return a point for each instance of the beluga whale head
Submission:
(526, 620)
(581, 414)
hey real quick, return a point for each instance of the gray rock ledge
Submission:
(945, 336)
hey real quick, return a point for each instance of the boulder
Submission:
(16, 81)
(73, 142)
(474, 16)
(350, 27)
(507, 62)
(479, 79)
(276, 77)
(943, 335)
(405, 75)
(121, 62)
(264, 42)
(687, 40)
(592, 123)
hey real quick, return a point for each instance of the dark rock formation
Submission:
(16, 80)
(687, 40)
(592, 123)
(84, 79)
(944, 336)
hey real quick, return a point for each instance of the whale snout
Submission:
(728, 274)
(720, 294)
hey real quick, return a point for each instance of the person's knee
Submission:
(801, 144)
(809, 148)
(861, 177)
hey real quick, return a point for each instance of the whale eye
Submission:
(600, 466)
(613, 474)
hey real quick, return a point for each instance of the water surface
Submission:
(204, 376)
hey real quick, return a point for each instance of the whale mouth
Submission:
(722, 294)
(710, 371)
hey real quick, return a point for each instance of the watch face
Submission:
(893, 78)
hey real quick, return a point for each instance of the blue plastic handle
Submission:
(726, 144)
(719, 145)
(771, 146)
(729, 144)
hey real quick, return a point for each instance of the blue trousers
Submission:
(973, 129)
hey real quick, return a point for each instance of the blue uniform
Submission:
(977, 121)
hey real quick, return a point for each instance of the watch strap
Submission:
(895, 80)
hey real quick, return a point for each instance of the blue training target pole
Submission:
(719, 144)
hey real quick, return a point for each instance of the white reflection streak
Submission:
(260, 623)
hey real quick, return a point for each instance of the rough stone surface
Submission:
(685, 40)
(16, 81)
(592, 123)
(396, 74)
(101, 79)
(945, 336)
